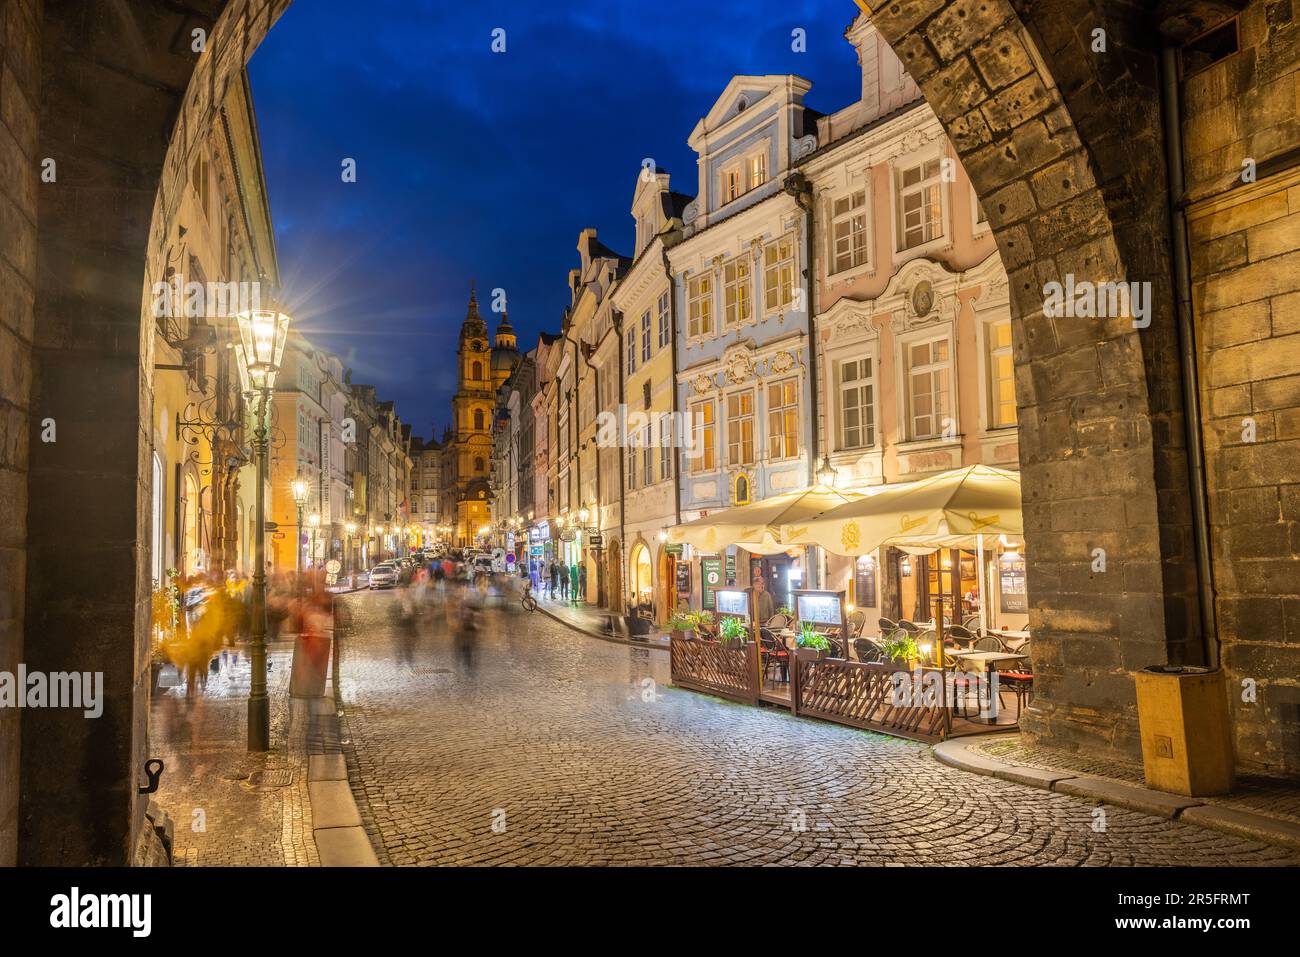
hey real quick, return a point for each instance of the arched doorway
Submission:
(641, 574)
(666, 600)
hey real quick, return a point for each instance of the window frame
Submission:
(785, 409)
(777, 265)
(739, 419)
(662, 305)
(929, 336)
(864, 211)
(897, 193)
(872, 362)
(706, 459)
(695, 324)
(743, 285)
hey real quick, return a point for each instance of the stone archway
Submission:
(1065, 160)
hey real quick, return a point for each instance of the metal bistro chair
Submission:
(857, 621)
(774, 653)
(960, 636)
(886, 626)
(867, 650)
(988, 642)
(779, 621)
(1019, 680)
(909, 626)
(971, 622)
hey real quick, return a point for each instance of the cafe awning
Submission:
(941, 509)
(755, 527)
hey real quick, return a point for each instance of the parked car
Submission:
(383, 576)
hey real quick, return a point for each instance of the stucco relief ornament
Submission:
(740, 369)
(703, 384)
(691, 211)
(922, 298)
(805, 146)
(781, 362)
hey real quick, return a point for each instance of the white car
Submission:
(383, 576)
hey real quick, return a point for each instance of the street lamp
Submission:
(826, 473)
(262, 335)
(314, 521)
(300, 489)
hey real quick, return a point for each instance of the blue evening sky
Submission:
(472, 164)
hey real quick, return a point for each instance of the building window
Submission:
(648, 458)
(478, 465)
(758, 169)
(645, 336)
(1001, 375)
(706, 438)
(477, 371)
(740, 428)
(699, 306)
(778, 274)
(849, 231)
(919, 197)
(928, 394)
(631, 349)
(731, 184)
(783, 419)
(736, 305)
(666, 444)
(740, 490)
(631, 460)
(663, 319)
(478, 420)
(857, 404)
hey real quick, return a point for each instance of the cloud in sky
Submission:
(475, 165)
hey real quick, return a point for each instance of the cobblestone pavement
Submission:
(253, 809)
(580, 753)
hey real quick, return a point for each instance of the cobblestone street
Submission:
(551, 747)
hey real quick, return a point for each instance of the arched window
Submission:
(478, 420)
(741, 490)
(478, 371)
(478, 464)
(158, 542)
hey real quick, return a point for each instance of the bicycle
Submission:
(528, 601)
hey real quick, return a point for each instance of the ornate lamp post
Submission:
(299, 488)
(262, 335)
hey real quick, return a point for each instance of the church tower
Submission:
(472, 425)
(505, 354)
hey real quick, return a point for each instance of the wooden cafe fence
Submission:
(860, 694)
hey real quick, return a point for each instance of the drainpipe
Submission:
(797, 185)
(672, 326)
(601, 597)
(1187, 351)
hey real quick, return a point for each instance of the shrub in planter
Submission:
(900, 647)
(811, 640)
(732, 631)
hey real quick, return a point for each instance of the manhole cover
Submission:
(271, 778)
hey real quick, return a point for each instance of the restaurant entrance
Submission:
(783, 573)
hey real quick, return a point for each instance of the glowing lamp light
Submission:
(262, 335)
(314, 521)
(299, 488)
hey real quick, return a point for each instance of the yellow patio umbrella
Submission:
(940, 509)
(755, 527)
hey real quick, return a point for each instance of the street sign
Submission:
(595, 540)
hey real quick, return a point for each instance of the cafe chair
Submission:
(773, 652)
(779, 621)
(909, 626)
(988, 643)
(886, 626)
(857, 621)
(971, 622)
(1019, 680)
(960, 636)
(867, 650)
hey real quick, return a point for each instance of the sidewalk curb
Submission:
(341, 840)
(957, 753)
(613, 639)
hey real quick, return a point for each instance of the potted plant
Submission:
(684, 622)
(810, 642)
(732, 631)
(900, 646)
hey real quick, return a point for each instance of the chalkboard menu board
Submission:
(1011, 582)
(683, 584)
(864, 582)
(820, 609)
(710, 580)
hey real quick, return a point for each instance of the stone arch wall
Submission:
(1067, 161)
(123, 99)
